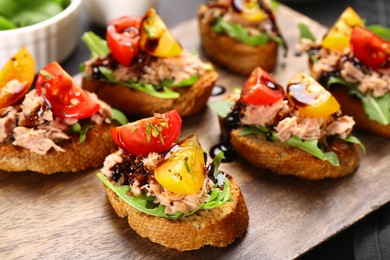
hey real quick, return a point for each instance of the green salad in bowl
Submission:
(20, 13)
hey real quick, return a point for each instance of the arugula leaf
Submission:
(222, 107)
(187, 82)
(248, 130)
(378, 108)
(96, 45)
(118, 116)
(217, 161)
(107, 73)
(239, 33)
(311, 147)
(145, 204)
(305, 32)
(336, 80)
(355, 140)
(380, 31)
(76, 128)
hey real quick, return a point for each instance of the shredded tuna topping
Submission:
(138, 173)
(155, 70)
(264, 115)
(368, 80)
(33, 126)
(287, 122)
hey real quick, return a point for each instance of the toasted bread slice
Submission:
(136, 104)
(217, 227)
(233, 55)
(90, 154)
(284, 159)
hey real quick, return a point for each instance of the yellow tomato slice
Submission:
(16, 77)
(310, 98)
(182, 170)
(156, 38)
(249, 10)
(339, 35)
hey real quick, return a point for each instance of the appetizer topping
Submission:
(310, 98)
(338, 36)
(305, 120)
(261, 89)
(123, 38)
(249, 9)
(370, 49)
(16, 77)
(64, 97)
(7, 123)
(156, 38)
(248, 21)
(154, 134)
(182, 169)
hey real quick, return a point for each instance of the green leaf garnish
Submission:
(82, 131)
(305, 32)
(118, 116)
(222, 107)
(355, 140)
(311, 147)
(378, 108)
(107, 73)
(380, 31)
(217, 161)
(96, 45)
(145, 204)
(239, 33)
(187, 82)
(6, 24)
(274, 5)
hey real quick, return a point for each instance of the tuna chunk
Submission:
(7, 123)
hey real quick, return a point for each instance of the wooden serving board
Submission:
(68, 216)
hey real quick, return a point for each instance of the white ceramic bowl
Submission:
(51, 40)
(103, 11)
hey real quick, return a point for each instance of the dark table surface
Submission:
(352, 242)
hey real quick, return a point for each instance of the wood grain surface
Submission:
(67, 216)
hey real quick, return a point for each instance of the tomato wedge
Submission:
(182, 170)
(156, 38)
(339, 35)
(249, 10)
(310, 98)
(370, 49)
(154, 134)
(261, 89)
(65, 98)
(123, 38)
(16, 77)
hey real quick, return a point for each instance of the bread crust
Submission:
(284, 159)
(235, 56)
(90, 154)
(217, 227)
(136, 104)
(353, 106)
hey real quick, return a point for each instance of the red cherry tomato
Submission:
(261, 89)
(65, 98)
(153, 134)
(370, 49)
(123, 38)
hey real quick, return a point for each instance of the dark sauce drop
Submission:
(228, 153)
(218, 90)
(151, 44)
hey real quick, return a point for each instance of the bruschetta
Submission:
(299, 132)
(141, 69)
(56, 127)
(240, 35)
(166, 190)
(352, 61)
